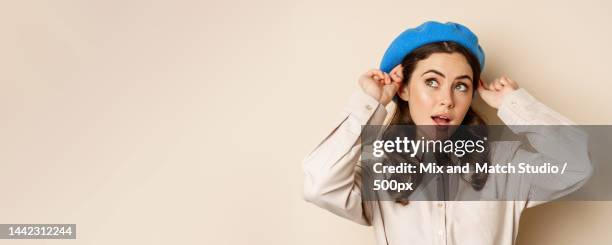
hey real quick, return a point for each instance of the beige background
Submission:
(185, 122)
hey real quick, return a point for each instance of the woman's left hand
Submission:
(494, 93)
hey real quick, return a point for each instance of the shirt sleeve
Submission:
(557, 143)
(332, 175)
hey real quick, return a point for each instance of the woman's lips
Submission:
(441, 120)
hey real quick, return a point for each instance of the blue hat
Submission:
(430, 32)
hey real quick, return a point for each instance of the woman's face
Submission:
(439, 90)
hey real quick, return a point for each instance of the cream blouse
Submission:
(333, 179)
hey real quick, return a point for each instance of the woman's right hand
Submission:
(381, 86)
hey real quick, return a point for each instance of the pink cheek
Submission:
(463, 103)
(425, 99)
(421, 107)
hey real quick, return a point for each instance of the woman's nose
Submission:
(446, 99)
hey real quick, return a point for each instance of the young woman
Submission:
(428, 76)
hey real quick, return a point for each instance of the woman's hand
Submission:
(381, 86)
(493, 94)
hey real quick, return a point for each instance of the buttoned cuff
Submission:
(364, 109)
(518, 108)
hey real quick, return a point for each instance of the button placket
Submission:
(439, 214)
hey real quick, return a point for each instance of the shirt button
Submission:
(440, 232)
(440, 205)
(369, 107)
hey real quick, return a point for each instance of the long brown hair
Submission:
(402, 114)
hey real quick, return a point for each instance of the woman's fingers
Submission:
(374, 74)
(511, 83)
(494, 92)
(371, 72)
(382, 78)
(498, 84)
(395, 77)
(379, 76)
(502, 81)
(508, 83)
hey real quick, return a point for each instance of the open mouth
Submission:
(441, 120)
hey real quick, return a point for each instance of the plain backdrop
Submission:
(185, 122)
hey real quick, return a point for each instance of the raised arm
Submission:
(556, 143)
(332, 174)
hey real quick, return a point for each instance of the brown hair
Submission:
(402, 115)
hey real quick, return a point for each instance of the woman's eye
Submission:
(461, 87)
(432, 83)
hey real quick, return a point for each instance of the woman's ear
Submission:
(404, 92)
(398, 73)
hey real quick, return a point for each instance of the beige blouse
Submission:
(333, 179)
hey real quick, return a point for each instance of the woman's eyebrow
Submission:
(440, 73)
(464, 76)
(434, 71)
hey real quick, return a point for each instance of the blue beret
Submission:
(430, 32)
